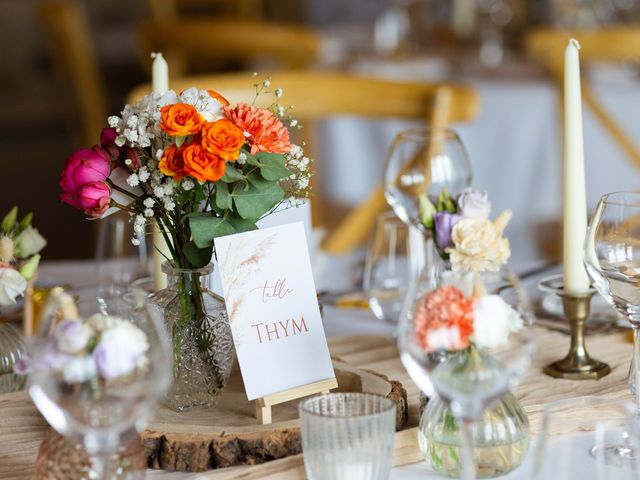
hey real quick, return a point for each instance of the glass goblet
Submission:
(465, 337)
(97, 376)
(612, 258)
(424, 162)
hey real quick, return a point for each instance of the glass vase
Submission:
(500, 438)
(198, 324)
(12, 348)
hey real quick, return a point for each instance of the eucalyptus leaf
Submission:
(252, 202)
(198, 257)
(272, 166)
(204, 228)
(223, 198)
(232, 174)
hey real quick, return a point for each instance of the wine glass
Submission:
(465, 337)
(424, 162)
(98, 375)
(387, 267)
(586, 437)
(612, 258)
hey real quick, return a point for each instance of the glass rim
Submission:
(386, 408)
(424, 133)
(613, 198)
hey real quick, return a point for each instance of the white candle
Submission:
(575, 197)
(160, 82)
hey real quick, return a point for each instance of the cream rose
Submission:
(12, 285)
(29, 242)
(479, 245)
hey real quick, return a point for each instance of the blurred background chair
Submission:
(321, 95)
(618, 45)
(174, 9)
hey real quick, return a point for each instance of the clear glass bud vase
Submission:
(500, 438)
(201, 338)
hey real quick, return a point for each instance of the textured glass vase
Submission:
(201, 338)
(501, 438)
(12, 348)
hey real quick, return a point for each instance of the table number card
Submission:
(273, 309)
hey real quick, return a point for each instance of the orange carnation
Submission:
(218, 97)
(172, 162)
(266, 132)
(202, 165)
(181, 119)
(222, 138)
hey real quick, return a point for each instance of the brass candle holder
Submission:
(577, 365)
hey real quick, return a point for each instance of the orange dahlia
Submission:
(264, 132)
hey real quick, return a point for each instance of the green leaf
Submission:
(252, 202)
(272, 166)
(198, 257)
(9, 220)
(180, 140)
(204, 228)
(26, 221)
(258, 181)
(232, 174)
(28, 270)
(223, 198)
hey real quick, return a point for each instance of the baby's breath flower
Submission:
(158, 191)
(280, 110)
(120, 140)
(169, 204)
(113, 121)
(266, 83)
(294, 122)
(187, 184)
(135, 242)
(148, 202)
(148, 212)
(133, 180)
(143, 174)
(128, 162)
(278, 92)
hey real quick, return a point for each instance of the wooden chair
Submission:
(72, 45)
(318, 95)
(619, 44)
(193, 40)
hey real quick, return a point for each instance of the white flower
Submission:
(187, 184)
(296, 151)
(6, 249)
(278, 92)
(474, 204)
(242, 158)
(148, 212)
(135, 242)
(280, 110)
(493, 321)
(100, 322)
(121, 350)
(113, 121)
(169, 204)
(159, 154)
(28, 242)
(143, 174)
(149, 202)
(120, 140)
(119, 176)
(479, 245)
(72, 336)
(79, 370)
(158, 191)
(12, 284)
(133, 180)
(266, 83)
(293, 123)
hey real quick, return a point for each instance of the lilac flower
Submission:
(444, 223)
(72, 336)
(120, 350)
(474, 204)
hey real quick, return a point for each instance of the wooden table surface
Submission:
(22, 427)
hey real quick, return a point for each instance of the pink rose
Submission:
(84, 166)
(93, 198)
(108, 142)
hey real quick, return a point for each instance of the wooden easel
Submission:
(263, 404)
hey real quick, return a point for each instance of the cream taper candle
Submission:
(160, 82)
(575, 197)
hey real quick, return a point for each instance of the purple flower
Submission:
(72, 336)
(444, 223)
(474, 204)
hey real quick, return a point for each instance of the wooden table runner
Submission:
(22, 427)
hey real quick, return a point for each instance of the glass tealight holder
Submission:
(347, 436)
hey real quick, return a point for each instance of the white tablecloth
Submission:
(514, 146)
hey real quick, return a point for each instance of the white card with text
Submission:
(273, 309)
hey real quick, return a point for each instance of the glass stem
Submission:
(467, 464)
(636, 360)
(101, 468)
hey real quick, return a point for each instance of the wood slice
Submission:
(229, 434)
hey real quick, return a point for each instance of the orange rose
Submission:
(181, 119)
(218, 97)
(172, 163)
(222, 138)
(202, 165)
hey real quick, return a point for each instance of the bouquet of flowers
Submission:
(200, 168)
(19, 258)
(463, 232)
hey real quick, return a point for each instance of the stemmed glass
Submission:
(98, 375)
(424, 162)
(612, 258)
(466, 377)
